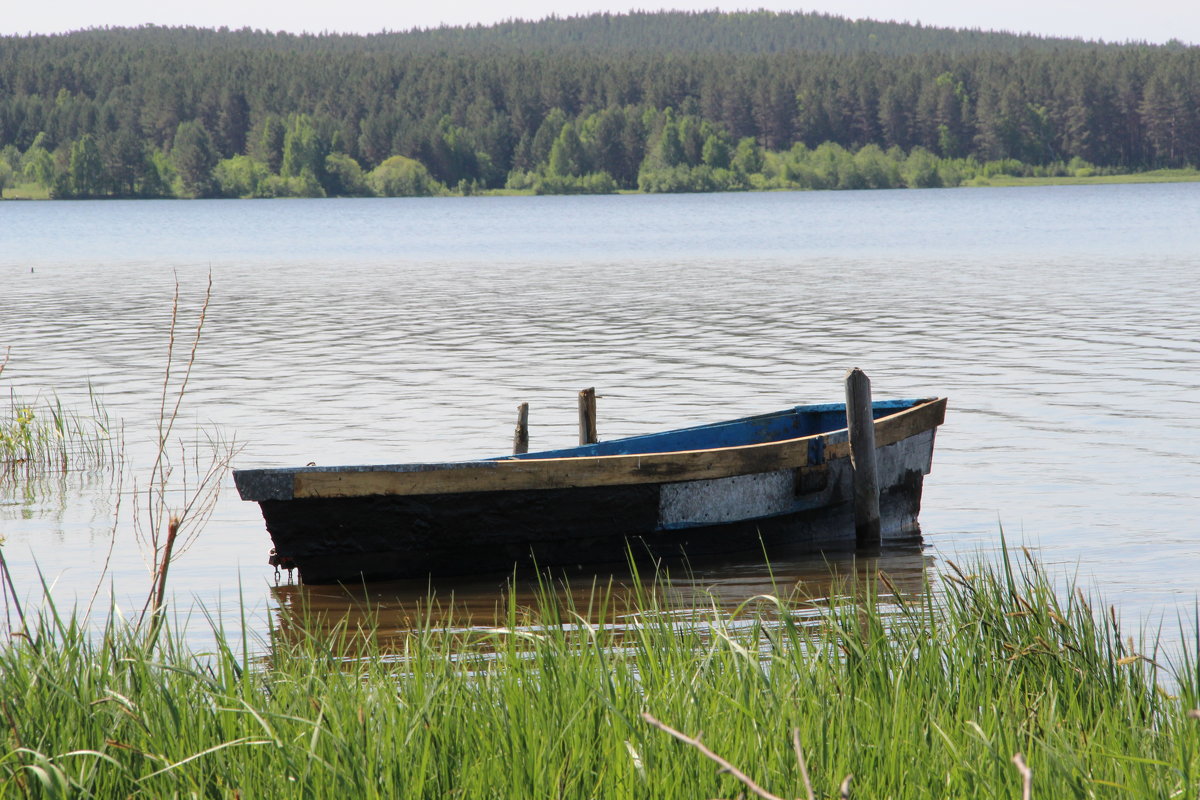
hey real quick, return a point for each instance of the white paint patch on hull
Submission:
(727, 499)
(765, 494)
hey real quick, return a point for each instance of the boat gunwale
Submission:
(513, 473)
(900, 405)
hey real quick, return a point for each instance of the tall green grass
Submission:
(917, 697)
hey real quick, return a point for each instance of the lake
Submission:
(1063, 323)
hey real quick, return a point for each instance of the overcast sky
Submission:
(1147, 20)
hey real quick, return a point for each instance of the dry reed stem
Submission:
(725, 765)
(160, 472)
(965, 578)
(803, 765)
(183, 523)
(1026, 777)
(156, 616)
(893, 588)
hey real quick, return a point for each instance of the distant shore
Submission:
(30, 191)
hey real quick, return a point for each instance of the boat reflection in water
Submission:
(390, 612)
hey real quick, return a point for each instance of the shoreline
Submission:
(26, 192)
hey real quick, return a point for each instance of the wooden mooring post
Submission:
(521, 434)
(587, 416)
(860, 421)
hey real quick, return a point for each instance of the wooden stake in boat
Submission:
(587, 416)
(521, 434)
(860, 421)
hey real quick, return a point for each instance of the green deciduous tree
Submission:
(748, 157)
(602, 135)
(877, 169)
(344, 176)
(11, 156)
(87, 177)
(303, 148)
(547, 132)
(667, 150)
(567, 157)
(38, 164)
(240, 176)
(920, 170)
(717, 150)
(400, 176)
(592, 183)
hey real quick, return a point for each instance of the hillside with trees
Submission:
(658, 102)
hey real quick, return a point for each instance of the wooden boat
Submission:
(781, 481)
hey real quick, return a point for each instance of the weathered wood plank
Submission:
(898, 426)
(553, 473)
(521, 434)
(587, 416)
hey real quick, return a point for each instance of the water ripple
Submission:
(384, 331)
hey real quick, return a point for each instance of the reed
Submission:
(40, 434)
(176, 514)
(926, 696)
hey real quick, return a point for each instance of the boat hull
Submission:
(382, 523)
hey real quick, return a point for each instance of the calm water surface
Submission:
(1063, 323)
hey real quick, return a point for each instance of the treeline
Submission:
(654, 152)
(745, 32)
(156, 111)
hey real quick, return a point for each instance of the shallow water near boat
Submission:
(1060, 321)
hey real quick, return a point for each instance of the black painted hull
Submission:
(323, 538)
(384, 537)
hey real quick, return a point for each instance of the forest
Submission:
(668, 101)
